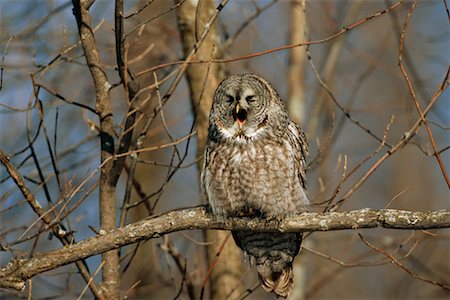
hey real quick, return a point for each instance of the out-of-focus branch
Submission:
(401, 266)
(19, 270)
(343, 31)
(328, 69)
(413, 94)
(408, 135)
(258, 11)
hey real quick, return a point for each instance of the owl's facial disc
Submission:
(240, 115)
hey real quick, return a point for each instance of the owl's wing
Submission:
(300, 146)
(204, 176)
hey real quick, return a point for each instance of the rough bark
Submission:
(225, 279)
(18, 271)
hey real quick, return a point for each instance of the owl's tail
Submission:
(278, 283)
(273, 254)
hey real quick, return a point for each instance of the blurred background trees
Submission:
(348, 93)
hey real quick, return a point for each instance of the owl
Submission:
(255, 167)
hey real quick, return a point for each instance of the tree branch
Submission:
(15, 274)
(57, 228)
(108, 175)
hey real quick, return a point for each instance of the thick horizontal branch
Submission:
(19, 270)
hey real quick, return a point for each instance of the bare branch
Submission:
(276, 49)
(399, 264)
(58, 230)
(18, 271)
(413, 94)
(3, 61)
(109, 172)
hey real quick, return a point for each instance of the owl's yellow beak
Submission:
(240, 114)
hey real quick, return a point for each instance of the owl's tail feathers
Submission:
(273, 255)
(278, 283)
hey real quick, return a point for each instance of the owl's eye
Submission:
(230, 99)
(250, 98)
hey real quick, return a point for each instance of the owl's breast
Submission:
(251, 178)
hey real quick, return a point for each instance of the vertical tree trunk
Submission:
(296, 108)
(297, 59)
(109, 174)
(225, 279)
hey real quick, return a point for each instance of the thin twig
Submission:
(3, 60)
(213, 264)
(401, 143)
(249, 291)
(396, 262)
(60, 97)
(276, 49)
(413, 94)
(139, 10)
(153, 18)
(336, 102)
(58, 230)
(258, 11)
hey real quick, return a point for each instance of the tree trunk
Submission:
(225, 278)
(296, 109)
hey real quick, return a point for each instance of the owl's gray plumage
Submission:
(255, 166)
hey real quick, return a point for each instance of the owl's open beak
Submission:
(240, 114)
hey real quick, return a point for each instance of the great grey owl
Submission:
(255, 167)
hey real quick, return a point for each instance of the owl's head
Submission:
(246, 107)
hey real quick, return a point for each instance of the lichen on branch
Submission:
(18, 271)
